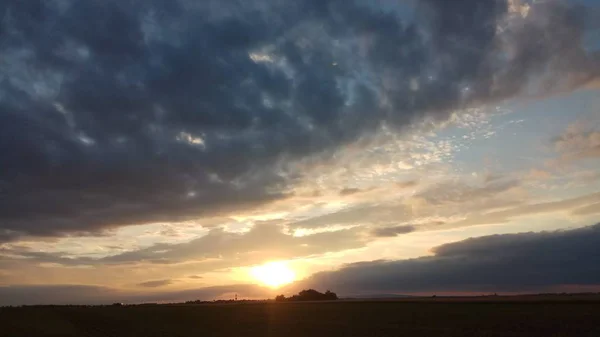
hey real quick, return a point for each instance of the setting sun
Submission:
(273, 274)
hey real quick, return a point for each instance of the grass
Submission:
(357, 318)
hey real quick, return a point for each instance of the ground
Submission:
(411, 317)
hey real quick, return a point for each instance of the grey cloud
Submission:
(393, 231)
(84, 294)
(8, 235)
(553, 31)
(126, 112)
(195, 277)
(155, 284)
(511, 262)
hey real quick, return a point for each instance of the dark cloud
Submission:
(393, 231)
(155, 284)
(510, 262)
(127, 112)
(195, 277)
(83, 294)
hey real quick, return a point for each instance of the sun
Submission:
(273, 274)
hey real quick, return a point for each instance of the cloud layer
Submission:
(127, 112)
(524, 262)
(219, 249)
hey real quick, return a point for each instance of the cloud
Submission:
(587, 176)
(537, 174)
(579, 141)
(85, 294)
(155, 284)
(445, 205)
(407, 184)
(60, 294)
(360, 214)
(393, 231)
(587, 210)
(458, 192)
(219, 249)
(27, 253)
(116, 113)
(527, 209)
(349, 191)
(522, 262)
(195, 277)
(448, 204)
(264, 241)
(511, 262)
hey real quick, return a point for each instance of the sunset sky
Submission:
(163, 150)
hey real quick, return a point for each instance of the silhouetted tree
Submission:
(331, 295)
(309, 295)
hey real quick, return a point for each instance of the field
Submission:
(432, 317)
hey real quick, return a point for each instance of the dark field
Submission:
(361, 318)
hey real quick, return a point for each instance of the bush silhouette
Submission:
(309, 295)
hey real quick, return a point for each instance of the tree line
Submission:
(308, 295)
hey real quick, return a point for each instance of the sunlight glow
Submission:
(273, 274)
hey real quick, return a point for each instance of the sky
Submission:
(172, 150)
